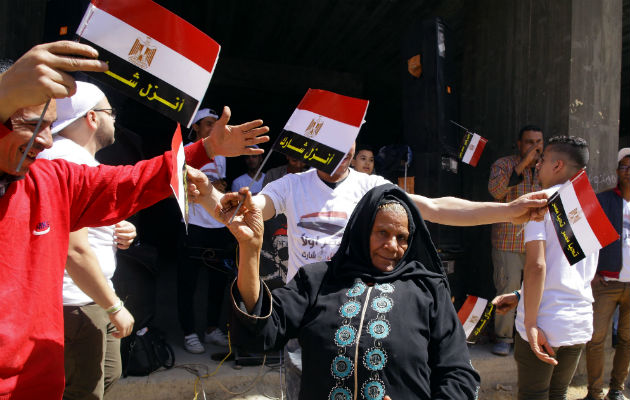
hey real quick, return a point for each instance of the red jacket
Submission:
(37, 214)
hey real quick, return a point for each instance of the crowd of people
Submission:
(363, 305)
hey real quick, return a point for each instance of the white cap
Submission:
(70, 109)
(625, 152)
(203, 113)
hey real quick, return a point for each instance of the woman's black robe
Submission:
(361, 329)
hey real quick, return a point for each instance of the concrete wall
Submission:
(595, 84)
(552, 63)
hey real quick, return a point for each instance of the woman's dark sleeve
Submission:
(452, 375)
(277, 315)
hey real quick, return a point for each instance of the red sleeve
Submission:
(106, 194)
(196, 155)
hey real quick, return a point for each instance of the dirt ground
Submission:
(576, 391)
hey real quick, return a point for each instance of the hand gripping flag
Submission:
(474, 315)
(579, 221)
(154, 56)
(178, 174)
(471, 149)
(322, 129)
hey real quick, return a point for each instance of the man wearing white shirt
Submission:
(554, 320)
(85, 124)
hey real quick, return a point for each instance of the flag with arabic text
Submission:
(474, 316)
(580, 223)
(322, 129)
(471, 149)
(154, 56)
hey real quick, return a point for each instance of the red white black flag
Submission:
(471, 149)
(154, 56)
(579, 221)
(178, 173)
(474, 315)
(322, 129)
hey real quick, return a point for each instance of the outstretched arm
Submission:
(459, 212)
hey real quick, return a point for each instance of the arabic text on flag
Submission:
(471, 149)
(580, 223)
(322, 129)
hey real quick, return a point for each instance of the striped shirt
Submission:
(504, 185)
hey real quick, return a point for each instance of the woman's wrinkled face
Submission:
(388, 240)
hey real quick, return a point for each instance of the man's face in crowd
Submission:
(253, 162)
(203, 127)
(623, 172)
(528, 140)
(105, 132)
(548, 167)
(13, 145)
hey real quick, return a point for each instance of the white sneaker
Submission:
(216, 337)
(193, 345)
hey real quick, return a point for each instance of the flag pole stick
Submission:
(240, 203)
(32, 140)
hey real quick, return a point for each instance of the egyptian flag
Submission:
(154, 56)
(471, 149)
(178, 174)
(322, 129)
(474, 315)
(579, 221)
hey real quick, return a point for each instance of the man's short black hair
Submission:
(5, 64)
(528, 127)
(575, 148)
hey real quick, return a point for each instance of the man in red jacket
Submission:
(45, 200)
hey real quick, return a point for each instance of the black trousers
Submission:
(214, 250)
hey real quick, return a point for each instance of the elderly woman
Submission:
(376, 320)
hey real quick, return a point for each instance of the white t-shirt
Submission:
(566, 313)
(316, 214)
(244, 180)
(197, 215)
(101, 239)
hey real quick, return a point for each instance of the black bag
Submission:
(148, 352)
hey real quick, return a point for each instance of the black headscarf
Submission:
(353, 260)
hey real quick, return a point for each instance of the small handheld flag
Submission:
(322, 129)
(154, 56)
(474, 315)
(178, 174)
(580, 223)
(472, 147)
